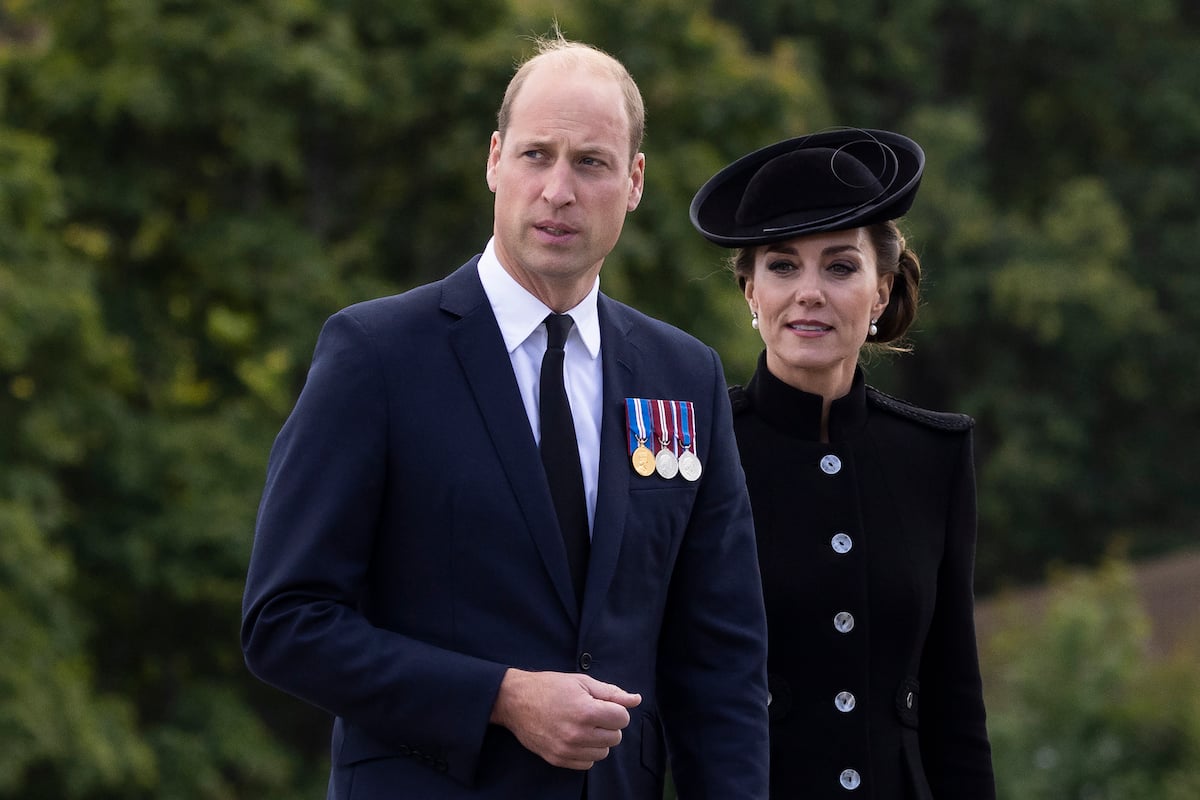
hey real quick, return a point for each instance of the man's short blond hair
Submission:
(562, 53)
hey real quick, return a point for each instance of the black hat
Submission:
(828, 181)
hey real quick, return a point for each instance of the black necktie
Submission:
(560, 452)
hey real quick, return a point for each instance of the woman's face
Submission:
(815, 297)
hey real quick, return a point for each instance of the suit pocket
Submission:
(655, 483)
(655, 522)
(653, 747)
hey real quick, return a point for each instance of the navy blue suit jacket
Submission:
(407, 553)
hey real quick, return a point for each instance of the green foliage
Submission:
(187, 189)
(1077, 710)
(1057, 231)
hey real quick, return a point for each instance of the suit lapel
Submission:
(476, 341)
(620, 363)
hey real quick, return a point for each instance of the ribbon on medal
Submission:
(666, 460)
(662, 437)
(640, 426)
(689, 462)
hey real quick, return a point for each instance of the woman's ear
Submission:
(884, 295)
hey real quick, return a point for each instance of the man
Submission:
(418, 570)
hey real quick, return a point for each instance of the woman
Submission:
(864, 505)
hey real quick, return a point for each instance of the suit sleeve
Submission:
(303, 630)
(953, 731)
(712, 656)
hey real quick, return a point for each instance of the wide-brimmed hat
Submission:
(828, 181)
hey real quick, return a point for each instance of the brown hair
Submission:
(566, 53)
(892, 256)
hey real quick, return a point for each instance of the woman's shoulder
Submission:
(947, 421)
(738, 399)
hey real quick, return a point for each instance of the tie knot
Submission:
(557, 328)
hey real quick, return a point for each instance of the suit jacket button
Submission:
(585, 661)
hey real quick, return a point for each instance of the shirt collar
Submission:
(519, 313)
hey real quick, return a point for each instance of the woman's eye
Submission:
(842, 268)
(779, 266)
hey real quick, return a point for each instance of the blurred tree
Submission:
(1057, 228)
(1076, 710)
(190, 189)
(61, 372)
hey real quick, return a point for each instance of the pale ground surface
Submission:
(1169, 588)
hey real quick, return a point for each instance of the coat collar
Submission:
(621, 360)
(798, 413)
(476, 341)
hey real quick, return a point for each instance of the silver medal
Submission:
(689, 465)
(666, 464)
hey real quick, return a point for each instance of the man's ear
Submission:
(493, 160)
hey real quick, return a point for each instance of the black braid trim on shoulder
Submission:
(940, 420)
(738, 399)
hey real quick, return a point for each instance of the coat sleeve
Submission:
(953, 731)
(712, 683)
(302, 627)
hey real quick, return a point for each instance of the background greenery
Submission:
(189, 187)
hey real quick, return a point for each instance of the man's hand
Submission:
(570, 720)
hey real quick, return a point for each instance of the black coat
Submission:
(867, 548)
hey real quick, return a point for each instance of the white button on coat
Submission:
(841, 543)
(831, 464)
(845, 702)
(843, 621)
(850, 779)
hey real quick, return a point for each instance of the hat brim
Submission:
(897, 161)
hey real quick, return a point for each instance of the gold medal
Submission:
(643, 460)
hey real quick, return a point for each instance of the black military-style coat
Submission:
(867, 548)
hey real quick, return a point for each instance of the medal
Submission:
(689, 462)
(643, 461)
(689, 465)
(637, 416)
(665, 462)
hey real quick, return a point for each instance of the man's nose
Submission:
(559, 189)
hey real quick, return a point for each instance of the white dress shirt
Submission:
(520, 316)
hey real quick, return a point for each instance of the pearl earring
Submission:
(754, 320)
(873, 329)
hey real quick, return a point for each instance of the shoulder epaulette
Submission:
(738, 399)
(940, 420)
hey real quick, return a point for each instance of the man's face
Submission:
(563, 181)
